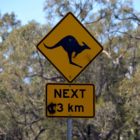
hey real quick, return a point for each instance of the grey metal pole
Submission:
(69, 129)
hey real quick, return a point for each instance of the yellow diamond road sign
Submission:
(69, 47)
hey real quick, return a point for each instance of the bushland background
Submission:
(115, 73)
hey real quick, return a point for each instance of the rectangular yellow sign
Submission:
(70, 100)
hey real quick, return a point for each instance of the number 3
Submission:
(60, 107)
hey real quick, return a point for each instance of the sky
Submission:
(27, 10)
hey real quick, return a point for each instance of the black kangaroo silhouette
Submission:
(70, 45)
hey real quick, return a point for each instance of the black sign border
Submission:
(70, 81)
(46, 93)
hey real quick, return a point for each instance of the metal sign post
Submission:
(69, 129)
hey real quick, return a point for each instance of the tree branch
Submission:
(40, 132)
(97, 20)
(46, 78)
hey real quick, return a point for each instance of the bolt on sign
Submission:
(69, 47)
(70, 100)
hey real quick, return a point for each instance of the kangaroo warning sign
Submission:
(69, 47)
(70, 100)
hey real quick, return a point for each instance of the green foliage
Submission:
(115, 73)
